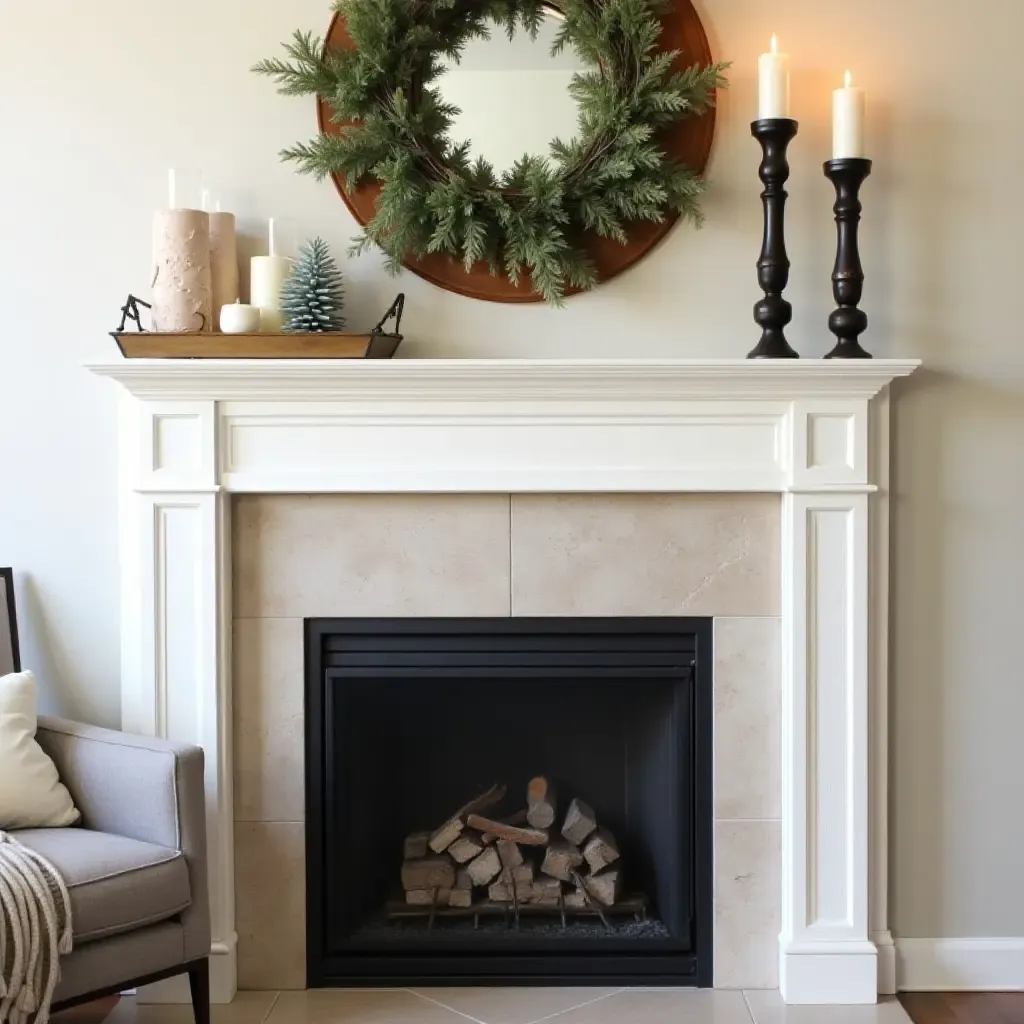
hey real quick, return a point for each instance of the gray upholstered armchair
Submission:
(136, 863)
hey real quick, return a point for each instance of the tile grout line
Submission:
(269, 618)
(747, 821)
(511, 570)
(270, 1010)
(579, 1006)
(746, 1003)
(444, 1006)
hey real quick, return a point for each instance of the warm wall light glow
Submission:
(848, 79)
(775, 45)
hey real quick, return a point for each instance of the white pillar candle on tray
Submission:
(239, 318)
(223, 259)
(266, 279)
(847, 121)
(773, 83)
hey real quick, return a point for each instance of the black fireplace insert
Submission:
(408, 719)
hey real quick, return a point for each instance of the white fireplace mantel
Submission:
(194, 432)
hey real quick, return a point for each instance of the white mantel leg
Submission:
(175, 587)
(826, 954)
(878, 675)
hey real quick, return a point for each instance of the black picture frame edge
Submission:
(7, 579)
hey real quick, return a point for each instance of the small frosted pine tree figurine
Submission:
(312, 298)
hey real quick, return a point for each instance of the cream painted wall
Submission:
(97, 100)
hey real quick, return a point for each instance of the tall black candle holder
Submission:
(773, 312)
(846, 321)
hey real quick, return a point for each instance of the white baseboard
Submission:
(951, 965)
(886, 962)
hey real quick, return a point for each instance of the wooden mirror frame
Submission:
(688, 141)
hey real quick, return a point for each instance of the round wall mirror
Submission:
(512, 94)
(514, 99)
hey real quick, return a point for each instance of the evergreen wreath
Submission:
(312, 298)
(395, 127)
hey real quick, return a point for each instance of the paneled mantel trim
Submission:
(816, 431)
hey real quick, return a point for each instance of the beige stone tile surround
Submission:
(316, 555)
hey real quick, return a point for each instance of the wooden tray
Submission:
(159, 345)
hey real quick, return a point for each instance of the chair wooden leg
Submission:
(199, 985)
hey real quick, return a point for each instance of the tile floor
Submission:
(512, 1006)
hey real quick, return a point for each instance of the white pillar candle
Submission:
(239, 318)
(773, 83)
(223, 259)
(267, 276)
(847, 121)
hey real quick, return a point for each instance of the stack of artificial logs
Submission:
(535, 861)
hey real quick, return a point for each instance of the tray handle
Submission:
(394, 310)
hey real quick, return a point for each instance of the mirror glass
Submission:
(513, 94)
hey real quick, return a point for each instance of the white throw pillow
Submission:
(31, 794)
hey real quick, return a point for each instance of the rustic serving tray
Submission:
(192, 345)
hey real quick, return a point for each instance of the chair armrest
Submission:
(142, 788)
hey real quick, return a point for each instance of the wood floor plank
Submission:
(928, 1008)
(1011, 1004)
(964, 1007)
(977, 1007)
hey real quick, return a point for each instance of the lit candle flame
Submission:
(848, 79)
(775, 45)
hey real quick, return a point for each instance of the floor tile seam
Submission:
(270, 1010)
(444, 1006)
(749, 1008)
(579, 1006)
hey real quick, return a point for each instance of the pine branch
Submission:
(306, 74)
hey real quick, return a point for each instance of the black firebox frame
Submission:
(690, 638)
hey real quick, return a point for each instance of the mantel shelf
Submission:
(501, 379)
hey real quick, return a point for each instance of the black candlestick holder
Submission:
(846, 321)
(773, 312)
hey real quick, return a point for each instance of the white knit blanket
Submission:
(35, 929)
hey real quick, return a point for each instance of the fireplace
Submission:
(800, 860)
(406, 718)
